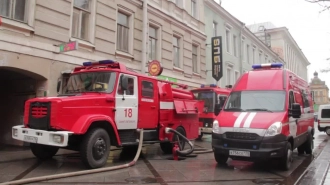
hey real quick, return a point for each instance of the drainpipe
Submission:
(144, 36)
(241, 50)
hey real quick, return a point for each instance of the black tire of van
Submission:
(220, 158)
(327, 131)
(308, 145)
(286, 160)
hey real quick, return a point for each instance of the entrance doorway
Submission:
(16, 86)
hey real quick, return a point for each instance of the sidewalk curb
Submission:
(317, 159)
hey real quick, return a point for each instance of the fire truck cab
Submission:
(105, 104)
(268, 114)
(212, 95)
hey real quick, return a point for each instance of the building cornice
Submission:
(286, 33)
(166, 17)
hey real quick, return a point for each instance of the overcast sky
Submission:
(309, 28)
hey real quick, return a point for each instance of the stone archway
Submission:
(16, 86)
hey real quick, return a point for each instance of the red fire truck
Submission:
(212, 95)
(105, 104)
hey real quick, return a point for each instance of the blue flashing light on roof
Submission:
(202, 85)
(272, 65)
(87, 63)
(213, 85)
(106, 62)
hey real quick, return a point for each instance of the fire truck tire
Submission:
(167, 147)
(43, 152)
(95, 148)
(286, 160)
(220, 158)
(200, 137)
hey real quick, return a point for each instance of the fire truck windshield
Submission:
(270, 101)
(209, 99)
(90, 82)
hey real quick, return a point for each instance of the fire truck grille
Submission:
(39, 115)
(241, 136)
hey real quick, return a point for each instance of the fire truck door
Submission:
(127, 104)
(148, 104)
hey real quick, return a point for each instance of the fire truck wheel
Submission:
(200, 137)
(327, 131)
(43, 152)
(286, 160)
(95, 148)
(167, 147)
(220, 158)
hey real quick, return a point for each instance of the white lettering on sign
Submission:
(147, 100)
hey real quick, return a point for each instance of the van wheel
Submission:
(43, 152)
(287, 159)
(220, 158)
(301, 150)
(167, 147)
(95, 148)
(309, 145)
(327, 131)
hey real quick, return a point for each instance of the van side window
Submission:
(147, 89)
(305, 99)
(325, 113)
(222, 99)
(291, 99)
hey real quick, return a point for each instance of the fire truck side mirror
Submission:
(217, 109)
(295, 111)
(123, 82)
(58, 88)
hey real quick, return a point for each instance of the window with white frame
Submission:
(81, 19)
(235, 45)
(260, 57)
(14, 9)
(193, 8)
(248, 53)
(236, 75)
(123, 32)
(253, 54)
(152, 43)
(195, 58)
(266, 58)
(243, 53)
(229, 75)
(227, 40)
(176, 51)
(215, 31)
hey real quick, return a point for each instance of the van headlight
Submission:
(215, 128)
(274, 129)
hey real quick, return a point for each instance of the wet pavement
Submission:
(153, 167)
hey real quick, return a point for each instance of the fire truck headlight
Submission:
(274, 129)
(58, 139)
(15, 132)
(216, 128)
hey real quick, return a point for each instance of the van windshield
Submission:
(271, 101)
(90, 82)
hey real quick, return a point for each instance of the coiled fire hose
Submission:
(84, 172)
(192, 149)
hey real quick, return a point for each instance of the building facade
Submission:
(281, 41)
(320, 91)
(130, 31)
(240, 47)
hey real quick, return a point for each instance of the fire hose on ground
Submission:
(84, 172)
(192, 150)
(184, 153)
